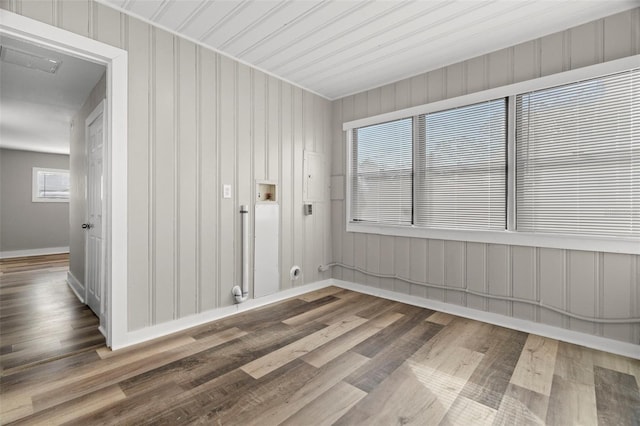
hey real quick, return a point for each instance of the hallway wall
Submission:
(25, 225)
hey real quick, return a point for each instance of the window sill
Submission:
(570, 242)
(49, 200)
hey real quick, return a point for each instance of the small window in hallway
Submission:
(50, 185)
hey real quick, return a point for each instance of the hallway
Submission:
(40, 318)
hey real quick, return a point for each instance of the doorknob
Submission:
(86, 226)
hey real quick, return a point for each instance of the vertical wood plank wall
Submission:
(198, 120)
(587, 283)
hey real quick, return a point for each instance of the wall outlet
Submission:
(226, 191)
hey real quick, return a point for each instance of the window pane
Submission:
(461, 182)
(53, 185)
(578, 157)
(381, 178)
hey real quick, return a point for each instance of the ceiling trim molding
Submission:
(206, 46)
(332, 73)
(29, 149)
(449, 62)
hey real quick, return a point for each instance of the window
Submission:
(550, 162)
(50, 185)
(381, 160)
(578, 157)
(461, 179)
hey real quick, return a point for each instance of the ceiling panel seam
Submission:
(204, 5)
(395, 52)
(290, 24)
(379, 33)
(107, 3)
(254, 24)
(306, 35)
(341, 34)
(232, 13)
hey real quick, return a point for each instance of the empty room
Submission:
(314, 212)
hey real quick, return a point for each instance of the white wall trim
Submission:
(33, 252)
(116, 61)
(530, 239)
(160, 330)
(570, 336)
(76, 286)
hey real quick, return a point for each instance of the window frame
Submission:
(35, 188)
(411, 171)
(509, 236)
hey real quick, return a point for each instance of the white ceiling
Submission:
(36, 107)
(340, 47)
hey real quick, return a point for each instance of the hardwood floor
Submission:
(31, 263)
(40, 317)
(331, 357)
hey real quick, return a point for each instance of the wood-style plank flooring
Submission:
(47, 262)
(40, 317)
(331, 357)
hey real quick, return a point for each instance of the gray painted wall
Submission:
(198, 120)
(25, 225)
(78, 169)
(587, 283)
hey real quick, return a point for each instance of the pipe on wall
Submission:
(539, 303)
(242, 294)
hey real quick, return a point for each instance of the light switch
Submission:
(226, 191)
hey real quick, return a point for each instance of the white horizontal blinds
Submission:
(578, 157)
(53, 184)
(461, 180)
(382, 173)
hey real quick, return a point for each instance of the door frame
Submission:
(100, 109)
(116, 60)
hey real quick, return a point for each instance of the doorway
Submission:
(114, 162)
(45, 98)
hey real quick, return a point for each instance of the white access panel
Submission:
(314, 177)
(266, 277)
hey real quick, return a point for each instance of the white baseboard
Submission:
(570, 336)
(76, 286)
(33, 252)
(160, 330)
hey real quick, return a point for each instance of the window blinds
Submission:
(53, 184)
(461, 158)
(578, 157)
(382, 173)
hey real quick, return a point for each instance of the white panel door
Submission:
(94, 279)
(266, 277)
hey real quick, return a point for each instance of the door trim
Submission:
(115, 60)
